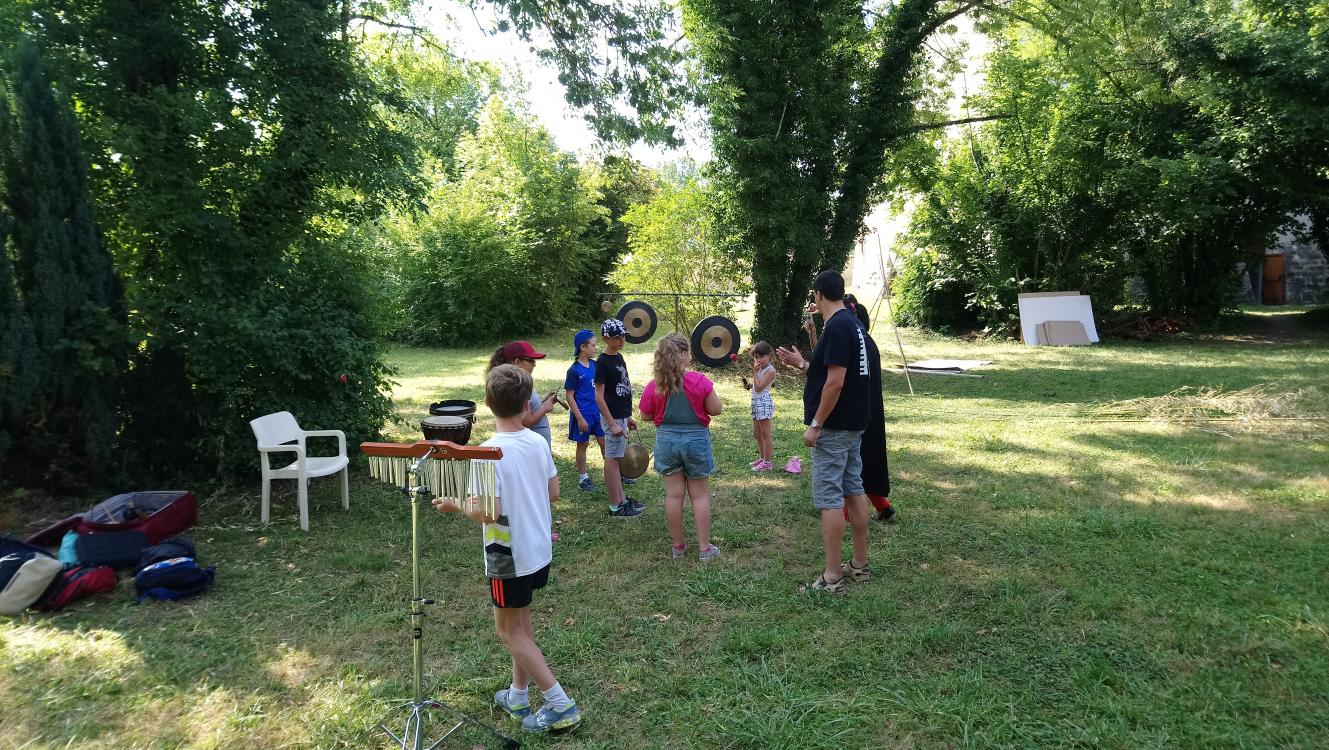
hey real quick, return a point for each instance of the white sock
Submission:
(518, 697)
(556, 699)
(585, 476)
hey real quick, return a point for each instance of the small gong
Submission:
(606, 307)
(714, 340)
(639, 318)
(634, 462)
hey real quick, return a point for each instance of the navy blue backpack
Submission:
(176, 578)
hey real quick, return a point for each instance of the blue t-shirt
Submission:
(581, 380)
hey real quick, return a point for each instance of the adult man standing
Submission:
(837, 407)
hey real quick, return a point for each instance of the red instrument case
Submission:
(159, 514)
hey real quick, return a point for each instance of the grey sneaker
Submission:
(678, 552)
(627, 482)
(511, 709)
(586, 485)
(709, 553)
(634, 503)
(626, 510)
(547, 719)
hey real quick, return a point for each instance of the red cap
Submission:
(520, 350)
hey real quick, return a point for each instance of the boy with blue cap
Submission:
(583, 412)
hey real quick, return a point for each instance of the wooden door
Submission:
(1272, 288)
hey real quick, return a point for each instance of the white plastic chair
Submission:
(279, 433)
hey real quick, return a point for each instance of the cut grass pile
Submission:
(1057, 579)
(1265, 409)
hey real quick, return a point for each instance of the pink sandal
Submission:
(794, 466)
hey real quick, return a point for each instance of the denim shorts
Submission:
(685, 449)
(837, 468)
(615, 445)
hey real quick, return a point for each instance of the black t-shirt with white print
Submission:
(612, 372)
(844, 343)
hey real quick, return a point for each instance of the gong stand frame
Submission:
(412, 735)
(608, 295)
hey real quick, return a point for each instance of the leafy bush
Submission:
(676, 247)
(503, 251)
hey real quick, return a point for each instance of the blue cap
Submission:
(582, 337)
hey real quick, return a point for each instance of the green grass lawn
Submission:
(1059, 577)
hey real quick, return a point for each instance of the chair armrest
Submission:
(298, 449)
(281, 449)
(341, 438)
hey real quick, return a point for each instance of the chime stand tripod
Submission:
(412, 736)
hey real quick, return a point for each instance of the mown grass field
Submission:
(1059, 577)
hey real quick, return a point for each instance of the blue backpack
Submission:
(176, 578)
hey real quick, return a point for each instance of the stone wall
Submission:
(1306, 269)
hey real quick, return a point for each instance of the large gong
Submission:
(714, 341)
(639, 318)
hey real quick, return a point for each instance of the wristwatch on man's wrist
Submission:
(803, 365)
(814, 424)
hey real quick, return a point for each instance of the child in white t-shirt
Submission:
(517, 548)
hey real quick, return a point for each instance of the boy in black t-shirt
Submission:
(836, 408)
(613, 395)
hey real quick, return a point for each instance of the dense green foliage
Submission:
(62, 313)
(677, 246)
(502, 251)
(1205, 134)
(614, 59)
(229, 147)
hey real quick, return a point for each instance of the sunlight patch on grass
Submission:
(72, 654)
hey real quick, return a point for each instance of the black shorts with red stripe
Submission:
(515, 593)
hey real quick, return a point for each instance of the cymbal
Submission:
(640, 320)
(634, 461)
(715, 340)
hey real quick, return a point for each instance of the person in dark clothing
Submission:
(837, 410)
(876, 470)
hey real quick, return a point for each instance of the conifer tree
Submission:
(65, 380)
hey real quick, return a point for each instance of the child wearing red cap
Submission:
(523, 355)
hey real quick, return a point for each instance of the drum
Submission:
(454, 429)
(456, 407)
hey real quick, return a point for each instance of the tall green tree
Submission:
(807, 101)
(15, 335)
(64, 306)
(622, 183)
(231, 145)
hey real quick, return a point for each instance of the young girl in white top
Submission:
(763, 407)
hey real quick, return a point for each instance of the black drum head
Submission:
(639, 318)
(715, 340)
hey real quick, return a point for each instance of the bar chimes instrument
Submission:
(448, 470)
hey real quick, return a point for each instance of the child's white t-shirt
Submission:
(519, 544)
(767, 389)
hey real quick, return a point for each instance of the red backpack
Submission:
(74, 584)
